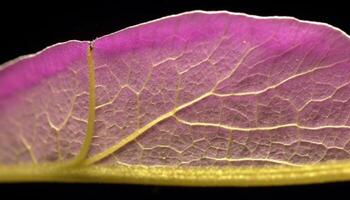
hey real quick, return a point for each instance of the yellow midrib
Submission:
(189, 176)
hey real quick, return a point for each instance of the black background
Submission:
(29, 27)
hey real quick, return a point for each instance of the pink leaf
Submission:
(204, 89)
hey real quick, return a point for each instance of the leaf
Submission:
(199, 98)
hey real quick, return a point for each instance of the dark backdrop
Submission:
(29, 27)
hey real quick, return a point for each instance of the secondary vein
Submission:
(91, 113)
(138, 132)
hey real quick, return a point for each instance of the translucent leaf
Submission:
(200, 98)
